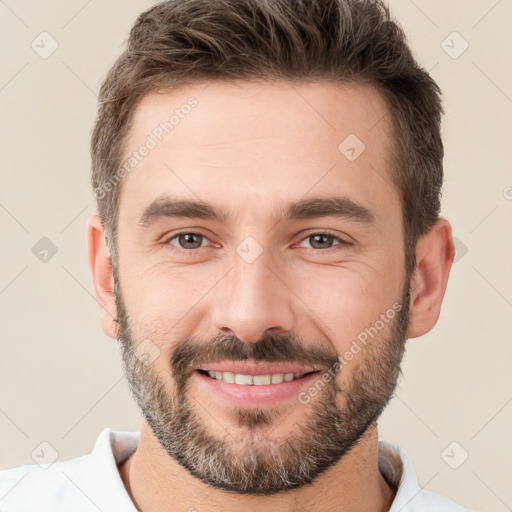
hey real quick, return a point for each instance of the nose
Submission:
(252, 299)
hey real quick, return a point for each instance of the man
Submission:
(268, 177)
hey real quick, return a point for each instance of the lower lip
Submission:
(253, 395)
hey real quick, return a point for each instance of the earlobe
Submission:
(434, 256)
(100, 266)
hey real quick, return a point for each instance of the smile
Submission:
(253, 380)
(252, 384)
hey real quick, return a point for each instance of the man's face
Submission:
(267, 290)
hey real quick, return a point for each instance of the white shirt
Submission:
(92, 482)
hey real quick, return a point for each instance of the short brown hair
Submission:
(179, 42)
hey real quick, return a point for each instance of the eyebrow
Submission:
(334, 206)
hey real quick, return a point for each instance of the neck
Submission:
(156, 482)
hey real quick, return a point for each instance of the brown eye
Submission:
(188, 240)
(324, 241)
(321, 241)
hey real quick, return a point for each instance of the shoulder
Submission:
(82, 484)
(396, 467)
(30, 487)
(426, 501)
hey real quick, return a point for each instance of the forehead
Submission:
(257, 145)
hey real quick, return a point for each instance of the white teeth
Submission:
(228, 377)
(277, 378)
(257, 380)
(239, 378)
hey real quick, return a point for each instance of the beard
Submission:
(253, 461)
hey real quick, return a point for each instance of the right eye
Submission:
(188, 241)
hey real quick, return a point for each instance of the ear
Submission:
(435, 252)
(100, 265)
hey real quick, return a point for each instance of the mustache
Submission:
(269, 349)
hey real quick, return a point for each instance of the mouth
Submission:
(248, 385)
(255, 380)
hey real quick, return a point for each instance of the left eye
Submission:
(321, 241)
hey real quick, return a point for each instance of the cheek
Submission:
(345, 301)
(162, 301)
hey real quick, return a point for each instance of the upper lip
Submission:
(247, 368)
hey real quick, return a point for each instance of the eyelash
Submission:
(167, 240)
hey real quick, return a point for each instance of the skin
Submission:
(253, 148)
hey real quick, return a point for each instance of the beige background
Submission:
(60, 375)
